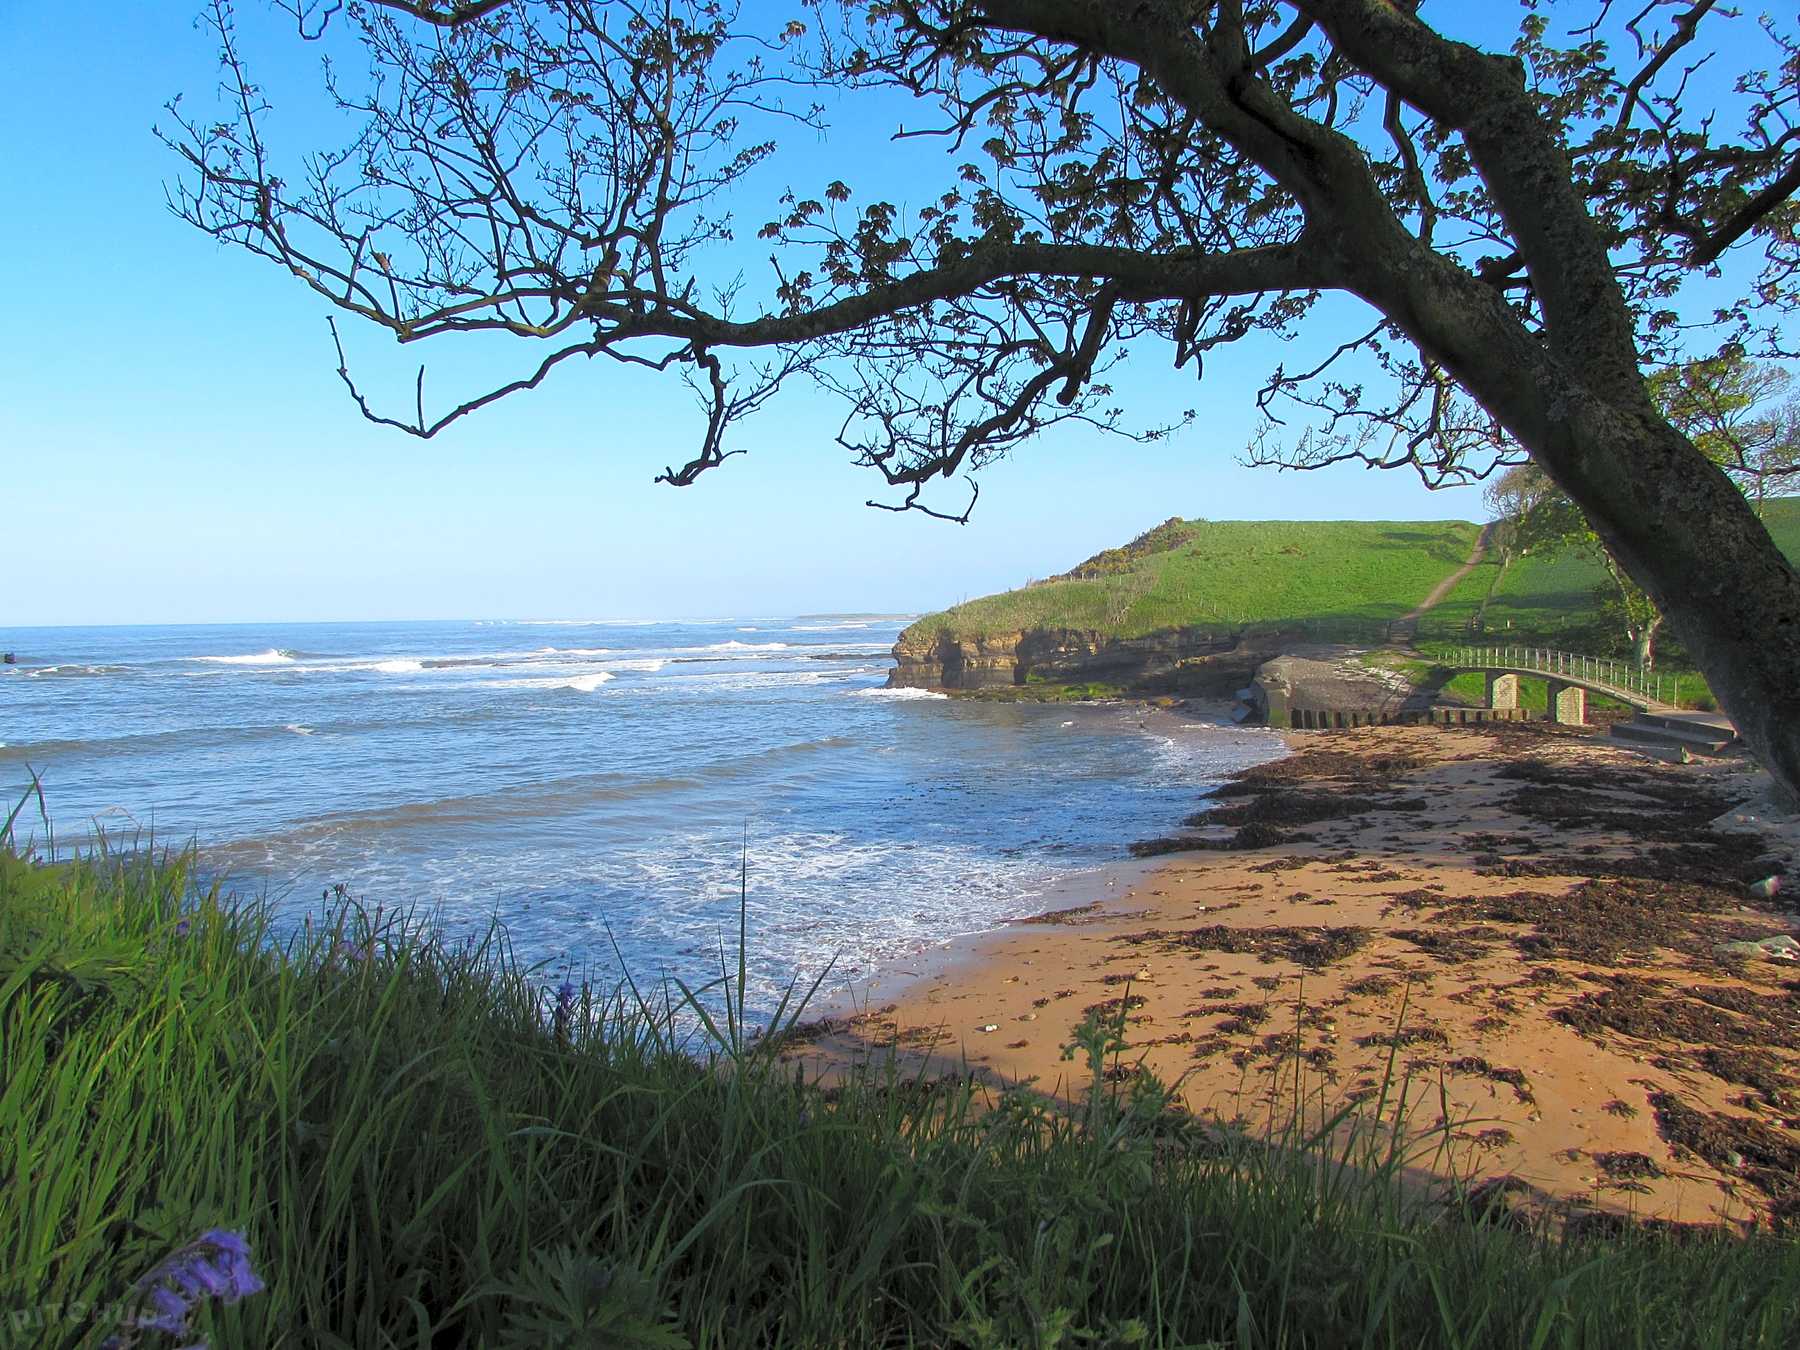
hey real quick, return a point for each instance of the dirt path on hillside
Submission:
(1449, 583)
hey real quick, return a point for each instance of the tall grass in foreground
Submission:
(420, 1153)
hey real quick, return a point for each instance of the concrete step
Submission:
(1716, 724)
(1649, 735)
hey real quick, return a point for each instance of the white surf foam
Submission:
(272, 657)
(816, 898)
(68, 670)
(880, 692)
(777, 679)
(583, 684)
(449, 663)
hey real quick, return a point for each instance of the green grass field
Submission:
(1549, 601)
(1337, 576)
(418, 1148)
(1334, 580)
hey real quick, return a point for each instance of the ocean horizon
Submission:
(608, 789)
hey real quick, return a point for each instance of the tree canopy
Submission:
(1522, 218)
(1738, 414)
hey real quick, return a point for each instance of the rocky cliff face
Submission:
(1060, 656)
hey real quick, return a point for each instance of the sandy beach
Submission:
(1519, 925)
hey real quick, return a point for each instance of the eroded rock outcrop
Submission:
(1327, 685)
(1164, 661)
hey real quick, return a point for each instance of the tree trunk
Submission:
(1634, 630)
(1574, 394)
(1668, 515)
(1646, 641)
(1693, 542)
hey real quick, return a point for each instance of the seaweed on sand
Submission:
(1765, 1158)
(1074, 914)
(1129, 1003)
(1313, 765)
(1453, 946)
(1601, 921)
(1254, 835)
(1652, 1010)
(1626, 1165)
(1478, 1067)
(1704, 857)
(1304, 808)
(1753, 1069)
(1312, 948)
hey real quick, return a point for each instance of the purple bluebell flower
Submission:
(171, 1311)
(215, 1265)
(565, 1003)
(181, 929)
(233, 1265)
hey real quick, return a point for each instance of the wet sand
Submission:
(1518, 925)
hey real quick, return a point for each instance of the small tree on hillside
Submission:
(1538, 518)
(1733, 411)
(1510, 499)
(1724, 406)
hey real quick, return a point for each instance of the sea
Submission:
(612, 791)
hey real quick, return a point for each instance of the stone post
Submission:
(1568, 704)
(1277, 695)
(1502, 691)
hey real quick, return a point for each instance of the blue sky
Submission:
(177, 446)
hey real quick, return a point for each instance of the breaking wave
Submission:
(583, 684)
(273, 657)
(66, 672)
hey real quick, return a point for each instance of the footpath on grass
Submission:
(1451, 582)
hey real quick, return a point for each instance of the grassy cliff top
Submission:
(1198, 573)
(1551, 599)
(1342, 579)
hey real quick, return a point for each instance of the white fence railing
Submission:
(1625, 675)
